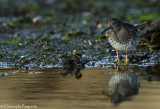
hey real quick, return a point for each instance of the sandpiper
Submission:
(123, 37)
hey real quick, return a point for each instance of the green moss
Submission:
(48, 13)
(73, 3)
(97, 53)
(139, 2)
(47, 49)
(13, 66)
(128, 17)
(23, 7)
(85, 46)
(71, 33)
(89, 18)
(45, 38)
(42, 53)
(98, 38)
(66, 38)
(13, 43)
(101, 38)
(38, 59)
(35, 7)
(22, 21)
(2, 57)
(148, 16)
(44, 56)
(14, 57)
(101, 55)
(70, 41)
(48, 19)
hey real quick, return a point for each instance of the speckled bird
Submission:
(123, 37)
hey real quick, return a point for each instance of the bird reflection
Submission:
(122, 85)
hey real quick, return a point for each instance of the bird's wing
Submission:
(131, 27)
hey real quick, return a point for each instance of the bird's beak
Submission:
(109, 99)
(108, 27)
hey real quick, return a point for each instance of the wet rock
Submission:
(150, 31)
(23, 63)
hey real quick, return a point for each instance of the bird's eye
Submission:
(113, 23)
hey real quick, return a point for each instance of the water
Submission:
(48, 89)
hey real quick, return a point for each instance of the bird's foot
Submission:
(117, 61)
(134, 49)
(126, 67)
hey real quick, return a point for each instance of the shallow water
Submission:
(48, 89)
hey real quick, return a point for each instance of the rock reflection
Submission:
(123, 85)
(7, 73)
(73, 64)
(77, 74)
(149, 73)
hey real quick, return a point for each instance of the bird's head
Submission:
(113, 24)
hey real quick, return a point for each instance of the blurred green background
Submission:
(137, 10)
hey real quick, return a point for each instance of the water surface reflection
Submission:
(48, 89)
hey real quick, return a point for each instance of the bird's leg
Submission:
(126, 57)
(117, 57)
(117, 69)
(126, 67)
